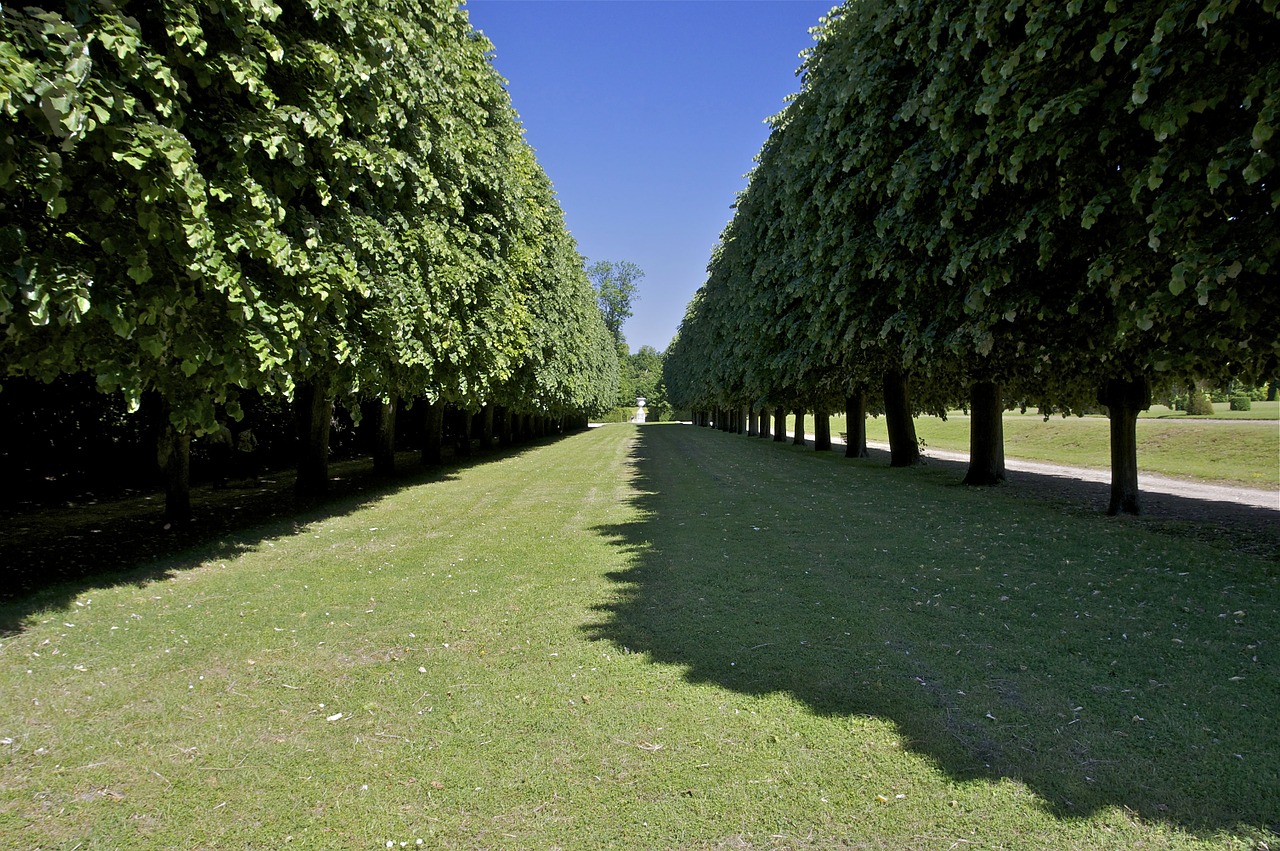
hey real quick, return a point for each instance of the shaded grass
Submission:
(1240, 452)
(46, 549)
(657, 637)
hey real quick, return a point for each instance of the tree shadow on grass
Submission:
(1098, 662)
(50, 555)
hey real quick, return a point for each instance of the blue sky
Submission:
(647, 115)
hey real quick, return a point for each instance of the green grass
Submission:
(1221, 411)
(656, 637)
(1224, 449)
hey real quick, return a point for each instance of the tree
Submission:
(1131, 146)
(324, 201)
(1047, 203)
(615, 285)
(571, 367)
(112, 265)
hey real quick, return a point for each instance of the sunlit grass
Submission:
(1230, 451)
(656, 638)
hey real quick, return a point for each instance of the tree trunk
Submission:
(433, 435)
(506, 430)
(904, 449)
(779, 424)
(744, 414)
(173, 454)
(855, 415)
(1124, 401)
(986, 435)
(798, 435)
(384, 447)
(463, 446)
(314, 413)
(753, 423)
(486, 427)
(821, 431)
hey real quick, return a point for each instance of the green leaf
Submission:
(1262, 133)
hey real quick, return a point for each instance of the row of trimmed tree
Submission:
(320, 200)
(987, 205)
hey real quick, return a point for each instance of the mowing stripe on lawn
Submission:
(658, 637)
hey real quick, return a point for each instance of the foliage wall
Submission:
(1048, 195)
(202, 200)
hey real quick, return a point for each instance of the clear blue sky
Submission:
(647, 116)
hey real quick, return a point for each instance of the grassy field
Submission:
(1224, 449)
(655, 637)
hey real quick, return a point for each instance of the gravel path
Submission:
(1148, 483)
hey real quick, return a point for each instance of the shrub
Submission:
(619, 415)
(1199, 405)
(1241, 402)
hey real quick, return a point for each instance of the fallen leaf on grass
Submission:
(334, 717)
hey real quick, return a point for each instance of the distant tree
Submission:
(615, 285)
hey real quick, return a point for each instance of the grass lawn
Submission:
(655, 637)
(1223, 449)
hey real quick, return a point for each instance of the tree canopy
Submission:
(616, 284)
(199, 200)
